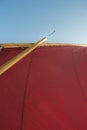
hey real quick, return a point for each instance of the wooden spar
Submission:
(18, 57)
(17, 45)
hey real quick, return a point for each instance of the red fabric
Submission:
(55, 98)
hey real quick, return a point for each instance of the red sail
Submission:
(46, 90)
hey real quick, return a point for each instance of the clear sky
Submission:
(30, 20)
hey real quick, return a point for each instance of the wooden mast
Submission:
(20, 56)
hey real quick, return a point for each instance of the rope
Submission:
(51, 33)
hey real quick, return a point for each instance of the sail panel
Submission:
(46, 90)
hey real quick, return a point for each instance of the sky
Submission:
(31, 20)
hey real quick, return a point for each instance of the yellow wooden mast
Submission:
(20, 56)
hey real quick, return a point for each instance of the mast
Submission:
(20, 56)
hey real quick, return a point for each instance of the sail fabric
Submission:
(46, 90)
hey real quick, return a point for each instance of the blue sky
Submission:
(30, 20)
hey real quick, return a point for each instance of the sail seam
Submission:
(25, 92)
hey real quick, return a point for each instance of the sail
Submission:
(46, 90)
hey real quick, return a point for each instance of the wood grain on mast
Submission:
(20, 56)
